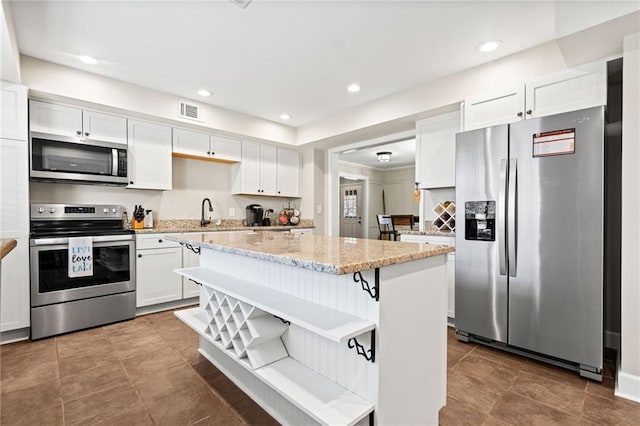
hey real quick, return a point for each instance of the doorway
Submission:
(351, 204)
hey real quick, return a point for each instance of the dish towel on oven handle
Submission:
(80, 257)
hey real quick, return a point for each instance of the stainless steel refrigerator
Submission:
(529, 244)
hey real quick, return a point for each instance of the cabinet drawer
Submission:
(150, 241)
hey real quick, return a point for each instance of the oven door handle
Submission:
(101, 239)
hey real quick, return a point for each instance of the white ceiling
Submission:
(403, 154)
(291, 56)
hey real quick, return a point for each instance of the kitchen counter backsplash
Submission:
(193, 225)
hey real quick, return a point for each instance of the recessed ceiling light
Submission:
(285, 116)
(353, 88)
(204, 92)
(88, 59)
(489, 46)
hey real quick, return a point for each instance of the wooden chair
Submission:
(403, 220)
(385, 226)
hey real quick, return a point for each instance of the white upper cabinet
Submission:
(229, 150)
(55, 119)
(76, 123)
(490, 109)
(13, 112)
(190, 144)
(260, 171)
(436, 150)
(99, 126)
(288, 173)
(149, 160)
(569, 90)
(268, 170)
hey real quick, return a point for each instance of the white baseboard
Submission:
(152, 309)
(612, 340)
(627, 386)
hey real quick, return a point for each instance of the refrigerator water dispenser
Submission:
(480, 220)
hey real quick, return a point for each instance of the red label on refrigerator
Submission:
(558, 142)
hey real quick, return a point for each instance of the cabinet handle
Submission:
(86, 133)
(213, 153)
(139, 255)
(78, 132)
(520, 114)
(278, 192)
(159, 241)
(529, 112)
(130, 182)
(208, 152)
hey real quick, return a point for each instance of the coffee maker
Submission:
(254, 213)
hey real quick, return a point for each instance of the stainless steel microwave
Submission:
(57, 158)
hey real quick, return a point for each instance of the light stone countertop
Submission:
(169, 226)
(333, 255)
(451, 234)
(6, 245)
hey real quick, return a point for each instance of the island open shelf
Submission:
(366, 337)
(323, 400)
(326, 322)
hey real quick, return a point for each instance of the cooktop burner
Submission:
(76, 220)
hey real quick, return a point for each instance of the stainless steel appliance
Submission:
(60, 303)
(529, 248)
(57, 158)
(254, 213)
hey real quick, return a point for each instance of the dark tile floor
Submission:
(148, 371)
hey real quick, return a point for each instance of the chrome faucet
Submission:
(204, 222)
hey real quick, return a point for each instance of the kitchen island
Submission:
(323, 329)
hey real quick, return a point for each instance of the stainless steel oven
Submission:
(61, 302)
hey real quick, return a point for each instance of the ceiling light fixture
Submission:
(489, 46)
(353, 88)
(88, 59)
(204, 92)
(384, 156)
(285, 116)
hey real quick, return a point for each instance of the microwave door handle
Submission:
(501, 214)
(114, 161)
(512, 217)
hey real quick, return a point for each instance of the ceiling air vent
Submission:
(242, 3)
(190, 111)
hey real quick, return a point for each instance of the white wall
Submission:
(193, 180)
(313, 187)
(9, 54)
(46, 78)
(629, 369)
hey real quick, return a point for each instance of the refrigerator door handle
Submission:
(512, 203)
(501, 214)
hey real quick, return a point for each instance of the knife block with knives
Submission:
(138, 217)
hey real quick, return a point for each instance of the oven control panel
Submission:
(76, 211)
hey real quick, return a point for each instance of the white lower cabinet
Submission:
(156, 259)
(15, 308)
